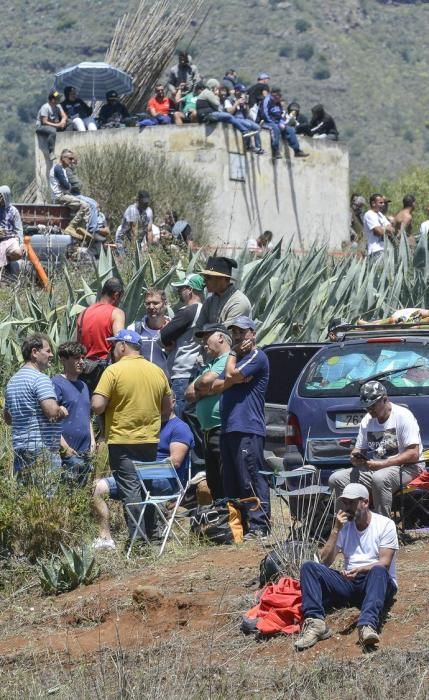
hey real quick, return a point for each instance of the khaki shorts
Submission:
(10, 245)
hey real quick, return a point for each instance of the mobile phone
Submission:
(360, 457)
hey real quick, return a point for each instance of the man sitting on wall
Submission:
(61, 192)
(161, 109)
(11, 233)
(113, 113)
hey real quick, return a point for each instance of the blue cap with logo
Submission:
(243, 322)
(126, 336)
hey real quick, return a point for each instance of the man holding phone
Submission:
(388, 441)
(368, 543)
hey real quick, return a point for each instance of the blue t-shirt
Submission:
(75, 397)
(243, 405)
(31, 429)
(175, 430)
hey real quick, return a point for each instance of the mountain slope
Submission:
(365, 60)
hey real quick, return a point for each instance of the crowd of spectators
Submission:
(187, 97)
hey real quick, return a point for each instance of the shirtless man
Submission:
(403, 220)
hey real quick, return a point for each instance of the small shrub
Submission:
(286, 50)
(408, 136)
(65, 23)
(305, 51)
(322, 74)
(66, 573)
(301, 25)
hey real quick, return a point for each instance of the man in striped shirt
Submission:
(31, 408)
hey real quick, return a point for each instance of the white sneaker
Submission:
(103, 543)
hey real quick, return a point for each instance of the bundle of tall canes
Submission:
(144, 42)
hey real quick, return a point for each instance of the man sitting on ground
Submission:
(388, 449)
(50, 119)
(61, 192)
(113, 112)
(175, 442)
(77, 437)
(11, 233)
(368, 542)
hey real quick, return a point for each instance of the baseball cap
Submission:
(53, 93)
(353, 491)
(126, 336)
(243, 322)
(371, 392)
(211, 328)
(194, 281)
(263, 76)
(111, 93)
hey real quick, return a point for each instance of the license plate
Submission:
(348, 420)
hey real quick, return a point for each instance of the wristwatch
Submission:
(233, 353)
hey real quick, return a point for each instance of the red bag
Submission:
(279, 608)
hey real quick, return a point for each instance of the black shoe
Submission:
(301, 154)
(277, 155)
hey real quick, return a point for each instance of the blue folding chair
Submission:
(147, 473)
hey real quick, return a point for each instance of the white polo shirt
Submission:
(371, 219)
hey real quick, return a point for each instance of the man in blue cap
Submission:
(243, 386)
(133, 393)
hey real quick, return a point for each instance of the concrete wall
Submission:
(307, 199)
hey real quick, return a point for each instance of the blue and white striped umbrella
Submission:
(92, 80)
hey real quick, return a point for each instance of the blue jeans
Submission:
(77, 468)
(154, 121)
(251, 126)
(288, 134)
(243, 458)
(40, 468)
(227, 118)
(179, 387)
(93, 212)
(323, 587)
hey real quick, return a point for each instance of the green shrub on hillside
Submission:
(322, 74)
(301, 25)
(305, 51)
(286, 50)
(113, 174)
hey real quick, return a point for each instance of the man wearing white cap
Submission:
(368, 542)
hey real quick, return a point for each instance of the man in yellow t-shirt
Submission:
(133, 393)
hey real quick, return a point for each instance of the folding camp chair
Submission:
(309, 503)
(148, 472)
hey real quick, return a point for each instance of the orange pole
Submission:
(34, 259)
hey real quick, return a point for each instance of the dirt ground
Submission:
(202, 594)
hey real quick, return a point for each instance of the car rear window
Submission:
(337, 371)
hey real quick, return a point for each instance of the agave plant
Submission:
(66, 573)
(293, 296)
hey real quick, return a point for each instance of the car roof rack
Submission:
(350, 331)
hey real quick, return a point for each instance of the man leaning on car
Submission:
(388, 442)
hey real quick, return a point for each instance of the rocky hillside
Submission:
(364, 59)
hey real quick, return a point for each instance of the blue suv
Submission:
(324, 411)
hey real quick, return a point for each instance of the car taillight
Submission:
(293, 431)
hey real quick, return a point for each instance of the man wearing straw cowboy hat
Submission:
(225, 302)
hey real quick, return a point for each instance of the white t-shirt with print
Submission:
(362, 547)
(383, 440)
(372, 219)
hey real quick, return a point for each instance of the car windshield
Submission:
(338, 370)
